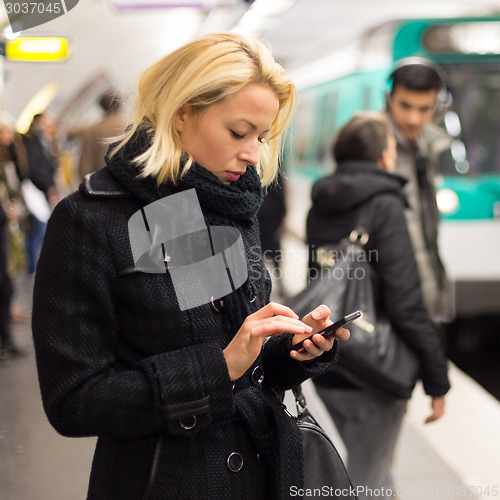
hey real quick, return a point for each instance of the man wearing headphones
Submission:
(418, 96)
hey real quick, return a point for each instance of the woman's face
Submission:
(225, 137)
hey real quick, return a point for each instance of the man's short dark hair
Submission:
(417, 77)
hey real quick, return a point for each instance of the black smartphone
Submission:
(330, 329)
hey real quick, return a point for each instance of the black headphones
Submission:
(443, 98)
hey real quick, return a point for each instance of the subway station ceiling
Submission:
(111, 46)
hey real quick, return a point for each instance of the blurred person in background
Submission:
(93, 143)
(418, 96)
(13, 170)
(42, 163)
(368, 417)
(13, 217)
(7, 348)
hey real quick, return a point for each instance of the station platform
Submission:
(456, 457)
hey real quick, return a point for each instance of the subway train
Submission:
(468, 187)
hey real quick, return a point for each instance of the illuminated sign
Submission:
(37, 49)
(464, 38)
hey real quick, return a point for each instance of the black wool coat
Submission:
(118, 359)
(337, 200)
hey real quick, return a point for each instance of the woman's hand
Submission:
(317, 319)
(271, 320)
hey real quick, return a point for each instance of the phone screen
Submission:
(329, 330)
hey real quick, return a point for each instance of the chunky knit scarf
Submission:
(222, 205)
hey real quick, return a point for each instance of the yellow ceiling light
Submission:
(37, 49)
(37, 104)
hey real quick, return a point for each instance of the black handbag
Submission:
(323, 466)
(374, 356)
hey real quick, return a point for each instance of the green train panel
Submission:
(468, 49)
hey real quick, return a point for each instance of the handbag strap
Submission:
(300, 399)
(360, 233)
(303, 412)
(358, 236)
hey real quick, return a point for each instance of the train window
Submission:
(367, 96)
(328, 105)
(463, 38)
(476, 103)
(299, 144)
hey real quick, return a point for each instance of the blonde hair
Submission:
(199, 74)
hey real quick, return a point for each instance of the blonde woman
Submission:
(173, 386)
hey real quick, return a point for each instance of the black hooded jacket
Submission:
(336, 201)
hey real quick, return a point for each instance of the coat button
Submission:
(235, 462)
(217, 305)
(257, 375)
(188, 422)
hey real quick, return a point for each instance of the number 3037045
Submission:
(33, 8)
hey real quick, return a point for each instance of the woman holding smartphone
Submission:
(175, 390)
